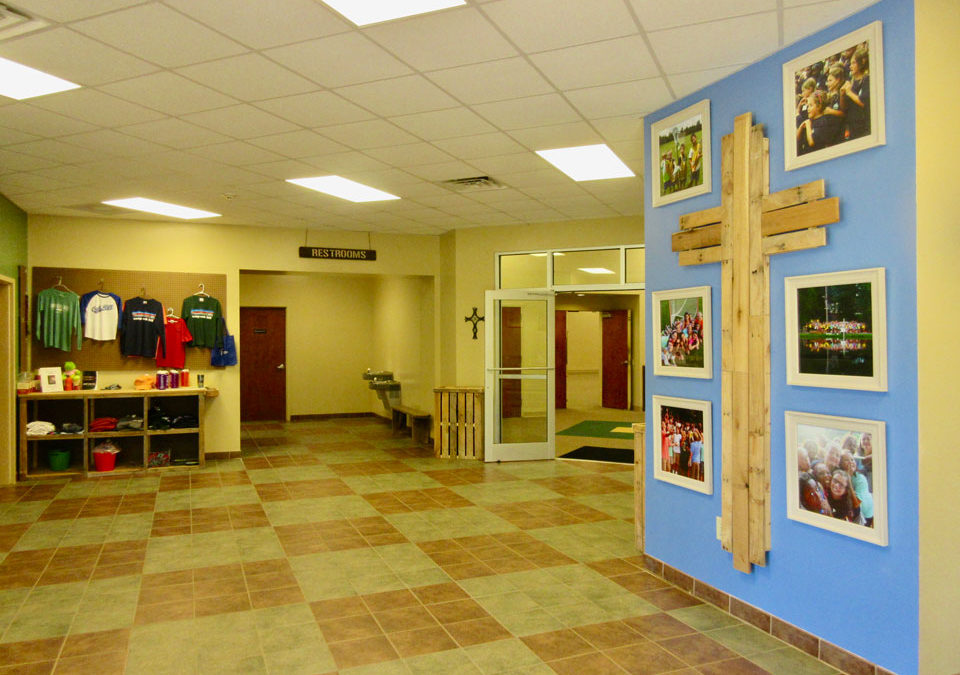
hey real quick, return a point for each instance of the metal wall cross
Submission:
(741, 234)
(475, 318)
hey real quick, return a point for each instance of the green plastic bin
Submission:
(59, 460)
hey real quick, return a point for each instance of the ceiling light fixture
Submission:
(596, 270)
(587, 162)
(344, 188)
(19, 82)
(161, 208)
(366, 12)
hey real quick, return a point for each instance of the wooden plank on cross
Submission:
(741, 234)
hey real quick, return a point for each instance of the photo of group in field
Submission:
(835, 474)
(833, 99)
(680, 155)
(681, 330)
(684, 449)
(835, 330)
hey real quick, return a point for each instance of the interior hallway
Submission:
(332, 547)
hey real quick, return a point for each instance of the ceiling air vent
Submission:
(473, 184)
(15, 22)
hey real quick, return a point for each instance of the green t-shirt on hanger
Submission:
(203, 317)
(58, 318)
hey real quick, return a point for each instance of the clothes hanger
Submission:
(170, 314)
(60, 284)
(202, 292)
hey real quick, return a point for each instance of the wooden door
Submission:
(615, 369)
(510, 357)
(263, 374)
(560, 358)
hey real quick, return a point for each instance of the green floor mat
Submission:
(599, 429)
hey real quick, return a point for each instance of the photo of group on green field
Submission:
(680, 154)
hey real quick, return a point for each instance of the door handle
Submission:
(280, 367)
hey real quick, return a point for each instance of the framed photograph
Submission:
(833, 99)
(680, 154)
(683, 443)
(51, 379)
(682, 330)
(836, 474)
(836, 330)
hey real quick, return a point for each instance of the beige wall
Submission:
(938, 243)
(583, 341)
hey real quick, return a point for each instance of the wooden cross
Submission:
(742, 233)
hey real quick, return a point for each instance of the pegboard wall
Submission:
(170, 288)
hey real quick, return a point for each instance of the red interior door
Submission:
(615, 370)
(510, 357)
(560, 358)
(263, 374)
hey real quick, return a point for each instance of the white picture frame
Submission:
(667, 360)
(809, 433)
(836, 330)
(672, 181)
(674, 463)
(51, 379)
(863, 126)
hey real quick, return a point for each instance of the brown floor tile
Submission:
(586, 664)
(468, 571)
(732, 667)
(42, 668)
(658, 626)
(349, 628)
(167, 611)
(161, 594)
(214, 587)
(223, 604)
(458, 610)
(615, 567)
(336, 608)
(404, 618)
(640, 582)
(276, 596)
(437, 593)
(609, 635)
(697, 649)
(670, 598)
(12, 653)
(166, 579)
(560, 644)
(644, 658)
(105, 663)
(477, 631)
(83, 644)
(421, 641)
(362, 652)
(378, 602)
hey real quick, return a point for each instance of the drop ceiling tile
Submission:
(439, 124)
(493, 81)
(284, 169)
(414, 154)
(261, 25)
(95, 107)
(621, 128)
(607, 62)
(340, 60)
(444, 171)
(687, 83)
(9, 136)
(345, 163)
(316, 109)
(398, 96)
(719, 43)
(53, 150)
(369, 134)
(240, 121)
(175, 133)
(495, 166)
(297, 144)
(108, 141)
(657, 15)
(169, 93)
(443, 40)
(481, 145)
(524, 113)
(236, 153)
(75, 57)
(172, 39)
(32, 120)
(22, 183)
(71, 10)
(557, 136)
(249, 77)
(626, 98)
(803, 21)
(540, 25)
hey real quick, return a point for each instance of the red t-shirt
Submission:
(177, 335)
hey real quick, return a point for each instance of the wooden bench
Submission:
(419, 422)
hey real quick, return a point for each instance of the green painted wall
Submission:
(13, 238)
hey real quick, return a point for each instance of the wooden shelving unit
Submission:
(184, 445)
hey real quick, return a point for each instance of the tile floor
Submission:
(331, 547)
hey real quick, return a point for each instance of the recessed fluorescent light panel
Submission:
(596, 270)
(344, 188)
(365, 12)
(161, 208)
(18, 81)
(587, 162)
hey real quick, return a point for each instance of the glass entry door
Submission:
(519, 383)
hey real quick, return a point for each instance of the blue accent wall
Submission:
(857, 595)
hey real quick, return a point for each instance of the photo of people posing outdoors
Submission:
(833, 98)
(835, 473)
(836, 334)
(681, 338)
(680, 154)
(683, 453)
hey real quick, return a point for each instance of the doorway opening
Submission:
(599, 365)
